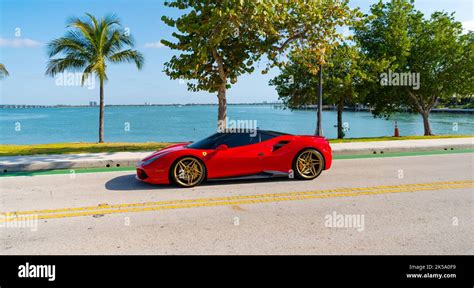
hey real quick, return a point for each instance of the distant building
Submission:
(92, 103)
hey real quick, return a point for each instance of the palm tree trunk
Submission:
(101, 113)
(426, 123)
(222, 111)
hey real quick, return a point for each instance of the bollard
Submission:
(397, 133)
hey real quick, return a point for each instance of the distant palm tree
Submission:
(3, 71)
(88, 47)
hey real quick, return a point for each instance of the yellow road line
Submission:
(238, 202)
(273, 195)
(233, 200)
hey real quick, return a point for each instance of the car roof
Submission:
(276, 133)
(271, 132)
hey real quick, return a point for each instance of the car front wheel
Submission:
(188, 172)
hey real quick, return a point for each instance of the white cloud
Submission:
(468, 25)
(19, 42)
(155, 45)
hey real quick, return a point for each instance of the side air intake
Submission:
(279, 145)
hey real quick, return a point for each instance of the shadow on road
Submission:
(218, 182)
(128, 182)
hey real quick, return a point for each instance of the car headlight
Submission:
(152, 159)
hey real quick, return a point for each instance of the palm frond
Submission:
(128, 56)
(117, 41)
(108, 25)
(89, 44)
(70, 44)
(3, 71)
(59, 65)
(112, 19)
(85, 28)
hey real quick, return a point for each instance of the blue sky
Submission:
(41, 21)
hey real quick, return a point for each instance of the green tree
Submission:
(466, 88)
(346, 75)
(218, 40)
(3, 71)
(88, 47)
(308, 30)
(433, 50)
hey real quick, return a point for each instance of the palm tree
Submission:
(88, 47)
(3, 71)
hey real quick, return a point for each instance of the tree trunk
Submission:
(426, 123)
(222, 111)
(340, 130)
(319, 123)
(423, 109)
(101, 113)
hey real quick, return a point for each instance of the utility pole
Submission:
(319, 126)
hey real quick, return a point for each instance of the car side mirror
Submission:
(222, 147)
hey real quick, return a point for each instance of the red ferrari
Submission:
(237, 155)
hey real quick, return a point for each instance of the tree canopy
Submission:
(220, 40)
(346, 75)
(433, 50)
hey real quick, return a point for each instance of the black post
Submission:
(319, 126)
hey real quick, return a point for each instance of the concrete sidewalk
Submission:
(125, 159)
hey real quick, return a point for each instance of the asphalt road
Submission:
(399, 205)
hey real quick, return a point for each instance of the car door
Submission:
(273, 152)
(239, 159)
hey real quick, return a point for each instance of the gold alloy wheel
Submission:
(309, 164)
(188, 172)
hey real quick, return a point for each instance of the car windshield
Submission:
(209, 142)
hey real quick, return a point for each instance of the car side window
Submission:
(210, 142)
(239, 139)
(266, 136)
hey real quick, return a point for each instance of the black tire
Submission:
(316, 155)
(175, 179)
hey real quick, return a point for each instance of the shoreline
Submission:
(367, 109)
(275, 105)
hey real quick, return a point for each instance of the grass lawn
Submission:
(75, 148)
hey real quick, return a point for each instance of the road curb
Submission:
(382, 150)
(73, 161)
(129, 159)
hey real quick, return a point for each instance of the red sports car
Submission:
(237, 155)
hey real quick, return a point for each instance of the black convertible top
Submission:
(270, 132)
(273, 133)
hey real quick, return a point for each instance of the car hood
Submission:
(172, 148)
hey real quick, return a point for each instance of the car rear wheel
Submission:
(188, 172)
(308, 164)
